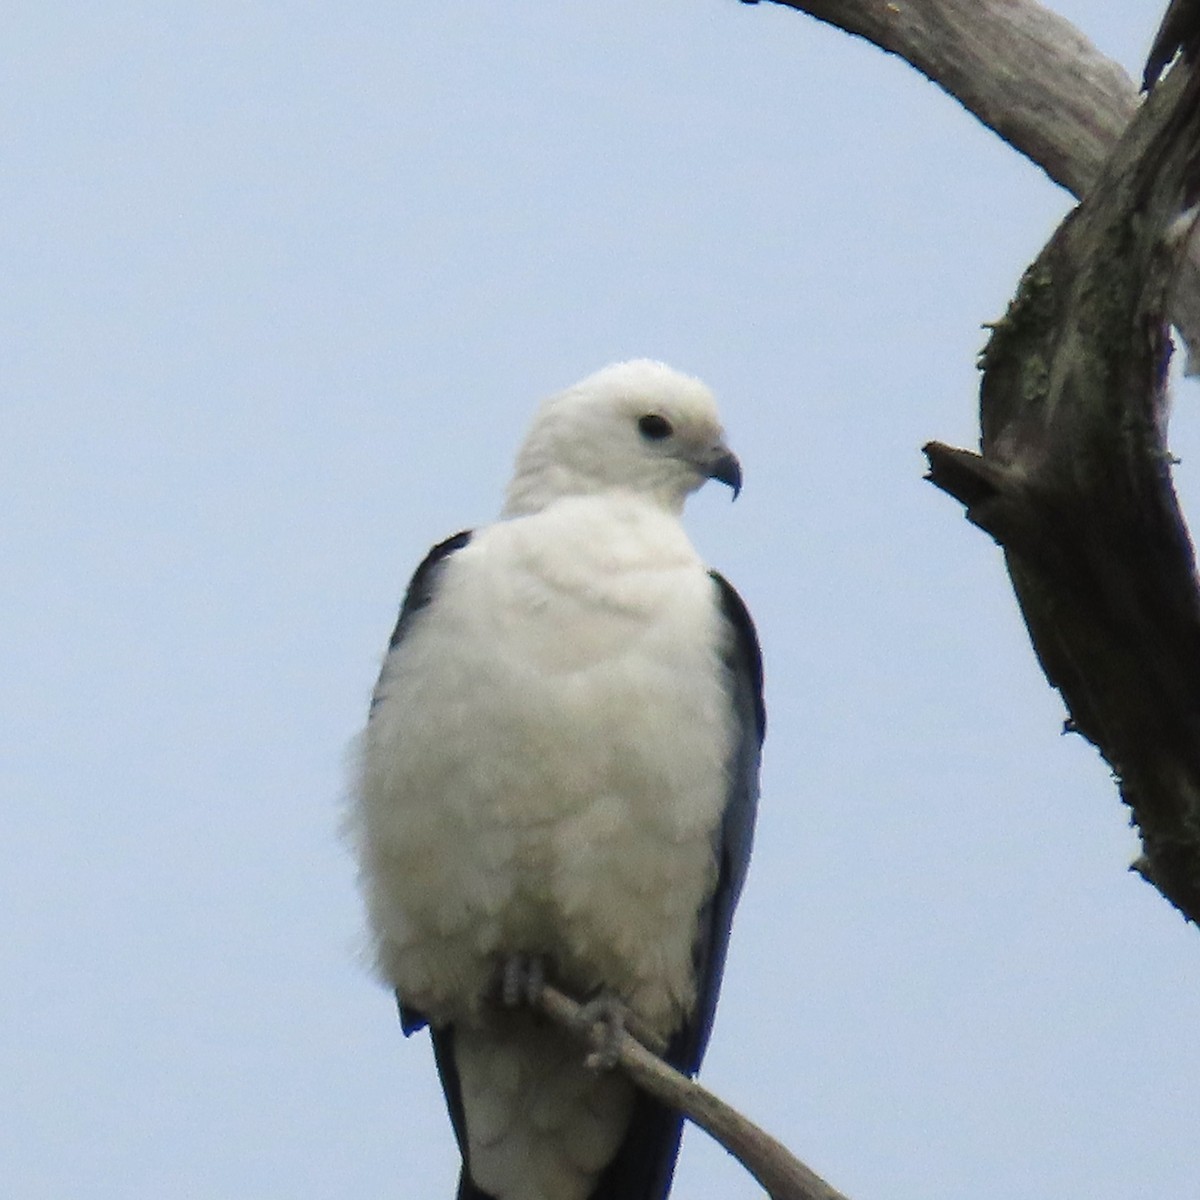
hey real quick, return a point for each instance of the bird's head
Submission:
(635, 427)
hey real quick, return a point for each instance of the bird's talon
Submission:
(522, 978)
(604, 1019)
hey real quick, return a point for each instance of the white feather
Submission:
(545, 770)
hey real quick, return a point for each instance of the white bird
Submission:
(561, 769)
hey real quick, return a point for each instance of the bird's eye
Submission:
(653, 427)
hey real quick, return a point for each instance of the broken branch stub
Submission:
(1074, 478)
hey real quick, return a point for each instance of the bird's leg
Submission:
(604, 1018)
(522, 977)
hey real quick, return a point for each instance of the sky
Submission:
(281, 286)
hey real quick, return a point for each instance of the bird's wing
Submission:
(443, 1053)
(420, 594)
(645, 1163)
(743, 663)
(422, 586)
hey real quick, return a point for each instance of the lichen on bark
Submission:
(1073, 479)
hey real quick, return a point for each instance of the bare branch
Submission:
(1030, 76)
(1025, 72)
(1074, 480)
(1180, 30)
(782, 1175)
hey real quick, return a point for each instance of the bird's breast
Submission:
(584, 584)
(547, 766)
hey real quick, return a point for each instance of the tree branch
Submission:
(1025, 72)
(1030, 76)
(782, 1175)
(1180, 30)
(1074, 479)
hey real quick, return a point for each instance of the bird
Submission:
(558, 781)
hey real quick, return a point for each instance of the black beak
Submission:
(728, 470)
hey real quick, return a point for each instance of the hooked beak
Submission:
(727, 469)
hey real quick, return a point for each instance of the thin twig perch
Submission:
(782, 1175)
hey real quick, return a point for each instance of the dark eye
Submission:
(654, 427)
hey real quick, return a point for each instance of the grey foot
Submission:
(604, 1019)
(522, 977)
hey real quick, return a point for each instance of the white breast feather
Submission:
(544, 773)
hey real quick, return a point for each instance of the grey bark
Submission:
(782, 1175)
(1030, 76)
(1074, 479)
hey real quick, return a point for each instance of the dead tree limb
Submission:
(781, 1174)
(1074, 479)
(1024, 71)
(1031, 77)
(1179, 31)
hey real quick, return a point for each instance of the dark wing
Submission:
(421, 585)
(644, 1164)
(443, 1053)
(743, 662)
(420, 593)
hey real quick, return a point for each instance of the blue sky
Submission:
(282, 284)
